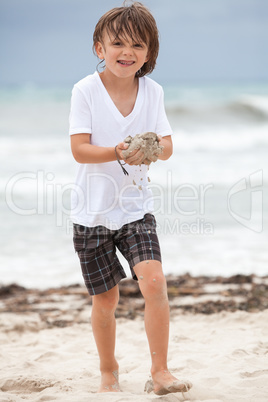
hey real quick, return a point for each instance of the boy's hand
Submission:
(135, 157)
(119, 148)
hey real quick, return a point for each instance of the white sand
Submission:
(225, 356)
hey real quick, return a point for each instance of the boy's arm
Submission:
(166, 142)
(84, 152)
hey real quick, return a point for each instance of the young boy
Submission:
(109, 210)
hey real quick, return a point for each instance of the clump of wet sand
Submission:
(147, 142)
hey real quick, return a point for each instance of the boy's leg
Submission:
(104, 326)
(156, 317)
(101, 270)
(153, 287)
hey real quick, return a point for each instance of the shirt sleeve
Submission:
(80, 119)
(163, 127)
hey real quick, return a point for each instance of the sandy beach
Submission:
(218, 340)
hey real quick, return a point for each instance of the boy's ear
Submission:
(99, 50)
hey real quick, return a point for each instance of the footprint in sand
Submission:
(47, 356)
(257, 373)
(26, 385)
(261, 348)
(195, 364)
(239, 353)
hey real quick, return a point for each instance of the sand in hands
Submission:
(147, 142)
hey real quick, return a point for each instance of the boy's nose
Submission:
(128, 50)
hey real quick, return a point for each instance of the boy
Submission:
(108, 210)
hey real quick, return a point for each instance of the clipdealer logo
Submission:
(47, 196)
(253, 185)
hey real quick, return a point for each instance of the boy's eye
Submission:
(117, 43)
(138, 45)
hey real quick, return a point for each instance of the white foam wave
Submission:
(254, 104)
(243, 108)
(223, 140)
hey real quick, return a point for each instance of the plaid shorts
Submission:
(96, 248)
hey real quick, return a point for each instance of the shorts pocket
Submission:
(86, 238)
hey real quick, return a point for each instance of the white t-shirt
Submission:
(103, 195)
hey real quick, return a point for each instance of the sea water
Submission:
(210, 196)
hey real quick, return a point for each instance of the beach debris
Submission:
(154, 280)
(238, 292)
(154, 353)
(141, 277)
(147, 142)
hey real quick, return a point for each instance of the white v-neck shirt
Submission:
(102, 194)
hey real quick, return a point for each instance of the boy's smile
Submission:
(126, 63)
(123, 57)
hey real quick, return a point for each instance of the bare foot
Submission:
(163, 382)
(109, 382)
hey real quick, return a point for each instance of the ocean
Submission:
(210, 196)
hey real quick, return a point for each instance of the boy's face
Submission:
(123, 57)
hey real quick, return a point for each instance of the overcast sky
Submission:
(49, 41)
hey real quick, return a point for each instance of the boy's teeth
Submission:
(125, 62)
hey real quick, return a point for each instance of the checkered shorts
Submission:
(96, 248)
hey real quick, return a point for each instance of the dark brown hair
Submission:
(136, 22)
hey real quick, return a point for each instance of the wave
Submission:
(250, 141)
(254, 105)
(246, 107)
